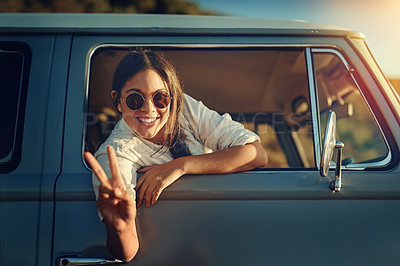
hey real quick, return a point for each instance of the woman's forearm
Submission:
(233, 159)
(122, 243)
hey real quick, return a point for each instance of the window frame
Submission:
(309, 49)
(24, 49)
(351, 70)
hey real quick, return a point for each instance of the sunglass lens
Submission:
(134, 101)
(161, 99)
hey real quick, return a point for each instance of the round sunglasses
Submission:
(135, 100)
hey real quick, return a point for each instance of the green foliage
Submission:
(105, 6)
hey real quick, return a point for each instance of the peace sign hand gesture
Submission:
(117, 207)
(114, 203)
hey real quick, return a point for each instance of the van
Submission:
(327, 117)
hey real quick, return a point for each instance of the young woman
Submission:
(163, 134)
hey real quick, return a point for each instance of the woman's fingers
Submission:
(141, 190)
(97, 169)
(145, 169)
(105, 200)
(106, 190)
(115, 189)
(156, 195)
(149, 192)
(116, 177)
(114, 167)
(114, 196)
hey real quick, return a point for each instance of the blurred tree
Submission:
(105, 6)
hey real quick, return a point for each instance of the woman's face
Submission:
(148, 121)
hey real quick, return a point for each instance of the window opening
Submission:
(14, 65)
(265, 89)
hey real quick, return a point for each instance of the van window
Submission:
(12, 101)
(265, 89)
(356, 126)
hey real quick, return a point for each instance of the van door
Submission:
(282, 214)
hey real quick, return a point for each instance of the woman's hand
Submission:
(115, 204)
(117, 207)
(155, 179)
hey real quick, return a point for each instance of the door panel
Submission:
(249, 218)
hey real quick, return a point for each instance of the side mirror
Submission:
(330, 144)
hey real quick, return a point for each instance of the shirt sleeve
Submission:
(213, 130)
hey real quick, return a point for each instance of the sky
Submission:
(379, 20)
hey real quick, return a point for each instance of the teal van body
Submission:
(279, 78)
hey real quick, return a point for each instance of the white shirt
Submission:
(205, 130)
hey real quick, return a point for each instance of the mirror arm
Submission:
(336, 184)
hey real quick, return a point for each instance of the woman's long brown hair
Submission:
(143, 59)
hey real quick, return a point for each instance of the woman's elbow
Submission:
(261, 157)
(128, 256)
(125, 254)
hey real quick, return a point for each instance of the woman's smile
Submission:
(147, 121)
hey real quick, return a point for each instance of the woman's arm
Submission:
(117, 208)
(122, 242)
(230, 160)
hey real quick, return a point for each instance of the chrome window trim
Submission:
(86, 105)
(207, 45)
(357, 166)
(314, 108)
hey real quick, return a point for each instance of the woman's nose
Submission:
(148, 105)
